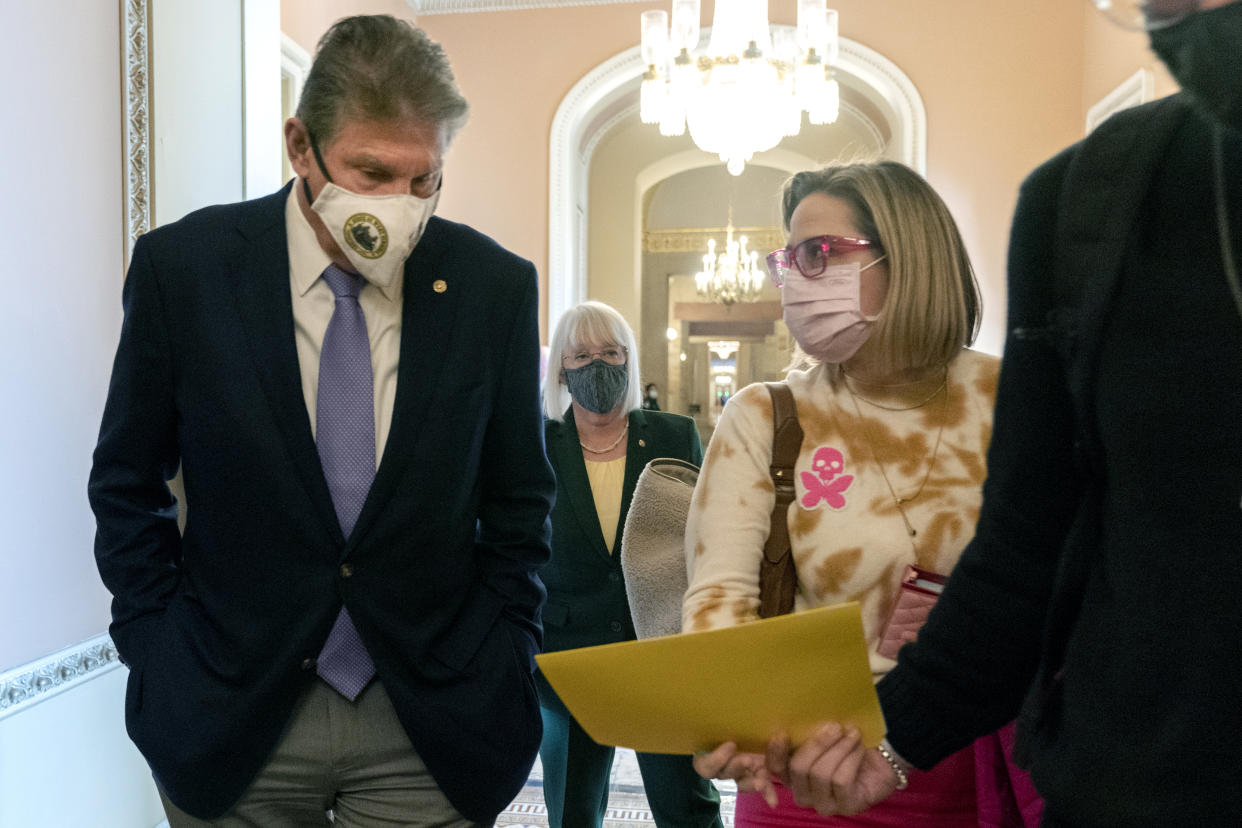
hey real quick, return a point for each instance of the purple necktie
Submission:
(345, 436)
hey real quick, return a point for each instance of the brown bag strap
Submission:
(778, 581)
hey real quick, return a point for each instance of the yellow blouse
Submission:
(607, 479)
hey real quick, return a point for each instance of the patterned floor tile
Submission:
(627, 806)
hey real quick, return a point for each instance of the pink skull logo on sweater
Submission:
(825, 484)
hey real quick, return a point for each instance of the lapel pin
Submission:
(439, 286)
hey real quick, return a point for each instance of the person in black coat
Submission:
(598, 441)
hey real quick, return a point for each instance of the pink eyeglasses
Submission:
(811, 256)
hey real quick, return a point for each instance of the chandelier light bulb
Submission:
(651, 98)
(832, 40)
(810, 22)
(654, 27)
(827, 105)
(685, 33)
(792, 108)
(750, 86)
(672, 122)
(732, 276)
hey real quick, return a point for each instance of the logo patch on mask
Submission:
(366, 235)
(825, 484)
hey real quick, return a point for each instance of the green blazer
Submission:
(587, 604)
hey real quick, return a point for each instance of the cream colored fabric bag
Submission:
(653, 559)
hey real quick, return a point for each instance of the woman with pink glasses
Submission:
(896, 414)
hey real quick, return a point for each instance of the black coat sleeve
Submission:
(137, 544)
(514, 533)
(976, 657)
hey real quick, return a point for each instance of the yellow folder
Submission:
(694, 691)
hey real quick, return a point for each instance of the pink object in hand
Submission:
(918, 594)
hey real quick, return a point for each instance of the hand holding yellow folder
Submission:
(694, 691)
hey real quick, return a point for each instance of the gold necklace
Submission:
(615, 442)
(845, 378)
(900, 501)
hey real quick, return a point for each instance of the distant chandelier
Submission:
(732, 276)
(751, 86)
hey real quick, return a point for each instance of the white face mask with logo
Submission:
(376, 233)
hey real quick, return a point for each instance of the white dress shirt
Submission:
(313, 303)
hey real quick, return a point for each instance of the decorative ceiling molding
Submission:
(694, 239)
(466, 6)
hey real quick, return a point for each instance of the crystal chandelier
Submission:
(732, 276)
(748, 90)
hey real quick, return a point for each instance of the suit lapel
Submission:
(430, 299)
(638, 453)
(260, 280)
(572, 468)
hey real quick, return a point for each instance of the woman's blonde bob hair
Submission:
(933, 304)
(594, 324)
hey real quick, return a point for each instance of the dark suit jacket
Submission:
(220, 627)
(587, 604)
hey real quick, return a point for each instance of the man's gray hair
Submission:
(379, 68)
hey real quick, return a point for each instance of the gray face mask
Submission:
(598, 386)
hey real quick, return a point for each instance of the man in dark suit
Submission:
(349, 386)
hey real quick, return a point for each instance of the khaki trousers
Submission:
(338, 763)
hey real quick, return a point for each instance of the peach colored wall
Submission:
(997, 101)
(306, 20)
(1112, 55)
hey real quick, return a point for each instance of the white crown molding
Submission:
(1134, 90)
(568, 173)
(884, 78)
(27, 685)
(294, 60)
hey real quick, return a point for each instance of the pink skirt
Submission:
(943, 797)
(977, 787)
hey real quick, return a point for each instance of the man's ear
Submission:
(298, 146)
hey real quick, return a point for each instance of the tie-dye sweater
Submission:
(848, 537)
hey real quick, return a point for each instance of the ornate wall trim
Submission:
(694, 239)
(136, 125)
(27, 685)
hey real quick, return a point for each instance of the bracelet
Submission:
(886, 751)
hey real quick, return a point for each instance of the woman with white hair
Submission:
(598, 441)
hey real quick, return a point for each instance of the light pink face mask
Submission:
(825, 314)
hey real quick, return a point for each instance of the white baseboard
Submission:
(65, 758)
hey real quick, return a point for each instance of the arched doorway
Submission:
(877, 98)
